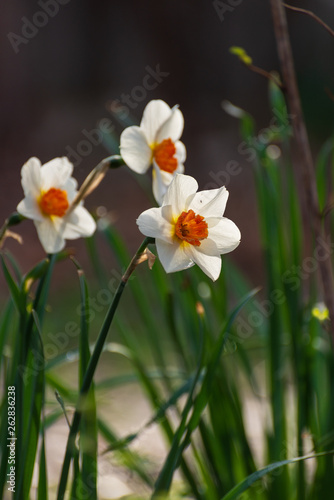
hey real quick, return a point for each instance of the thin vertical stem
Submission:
(304, 150)
(87, 380)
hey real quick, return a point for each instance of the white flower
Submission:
(156, 142)
(190, 228)
(49, 191)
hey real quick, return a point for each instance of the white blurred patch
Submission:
(204, 291)
(273, 151)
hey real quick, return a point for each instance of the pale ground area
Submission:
(128, 410)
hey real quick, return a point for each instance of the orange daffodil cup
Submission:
(49, 191)
(156, 142)
(189, 227)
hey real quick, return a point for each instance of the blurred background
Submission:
(72, 69)
(68, 66)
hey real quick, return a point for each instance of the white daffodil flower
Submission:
(156, 142)
(189, 227)
(49, 191)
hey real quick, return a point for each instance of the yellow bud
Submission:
(242, 54)
(320, 312)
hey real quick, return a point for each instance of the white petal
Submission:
(181, 153)
(162, 179)
(29, 208)
(209, 203)
(50, 234)
(225, 234)
(172, 257)
(79, 223)
(172, 128)
(160, 182)
(135, 149)
(71, 189)
(180, 169)
(181, 187)
(152, 223)
(56, 173)
(31, 177)
(154, 116)
(208, 246)
(167, 214)
(210, 264)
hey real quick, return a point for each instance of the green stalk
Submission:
(12, 220)
(93, 364)
(26, 328)
(155, 398)
(173, 459)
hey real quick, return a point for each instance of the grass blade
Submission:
(88, 428)
(13, 287)
(33, 399)
(42, 493)
(246, 483)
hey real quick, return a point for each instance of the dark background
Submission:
(61, 81)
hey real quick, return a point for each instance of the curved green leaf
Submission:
(249, 480)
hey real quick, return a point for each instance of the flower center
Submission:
(163, 154)
(191, 228)
(54, 202)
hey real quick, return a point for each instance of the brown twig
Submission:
(302, 141)
(311, 14)
(265, 73)
(247, 61)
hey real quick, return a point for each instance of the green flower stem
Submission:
(13, 219)
(93, 364)
(114, 161)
